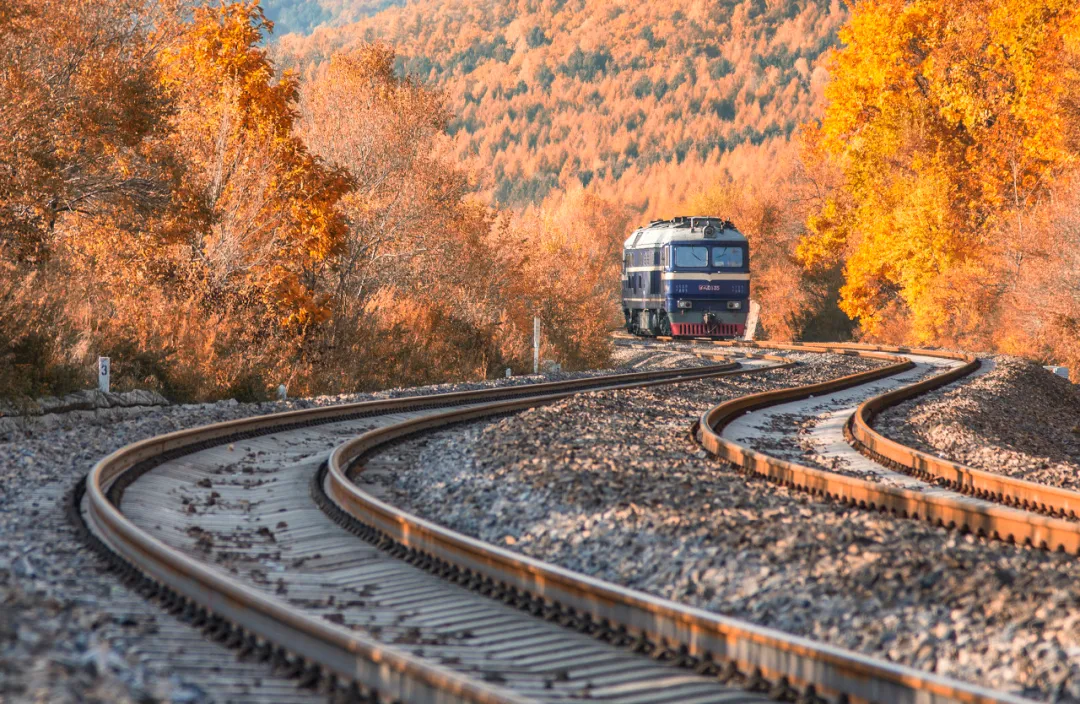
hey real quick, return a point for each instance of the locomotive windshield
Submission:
(727, 257)
(698, 257)
(691, 257)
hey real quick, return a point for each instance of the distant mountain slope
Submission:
(303, 16)
(646, 101)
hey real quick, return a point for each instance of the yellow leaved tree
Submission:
(949, 124)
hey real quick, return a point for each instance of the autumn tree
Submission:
(79, 108)
(272, 225)
(81, 164)
(358, 115)
(571, 249)
(1041, 317)
(769, 217)
(412, 296)
(950, 123)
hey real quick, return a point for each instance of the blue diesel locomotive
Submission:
(686, 277)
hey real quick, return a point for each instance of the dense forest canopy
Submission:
(642, 102)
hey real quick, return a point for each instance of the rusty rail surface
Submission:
(695, 637)
(316, 649)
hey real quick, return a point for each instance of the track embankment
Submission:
(244, 554)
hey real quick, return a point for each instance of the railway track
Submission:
(903, 480)
(396, 585)
(897, 479)
(239, 548)
(794, 668)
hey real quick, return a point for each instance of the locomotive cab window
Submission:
(691, 257)
(727, 257)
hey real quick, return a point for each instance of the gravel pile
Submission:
(69, 632)
(608, 484)
(1015, 419)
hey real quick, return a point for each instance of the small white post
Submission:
(508, 372)
(282, 392)
(536, 345)
(103, 367)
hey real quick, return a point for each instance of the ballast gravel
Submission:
(1016, 419)
(70, 632)
(609, 484)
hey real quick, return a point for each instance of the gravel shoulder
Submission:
(69, 632)
(1015, 419)
(609, 484)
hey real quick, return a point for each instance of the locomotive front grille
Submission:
(703, 330)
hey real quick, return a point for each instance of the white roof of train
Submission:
(683, 229)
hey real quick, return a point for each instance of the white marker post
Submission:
(104, 369)
(536, 345)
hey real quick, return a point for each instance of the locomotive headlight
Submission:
(734, 305)
(686, 304)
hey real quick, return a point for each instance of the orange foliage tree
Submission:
(80, 159)
(429, 282)
(78, 113)
(950, 124)
(769, 217)
(273, 226)
(570, 251)
(412, 294)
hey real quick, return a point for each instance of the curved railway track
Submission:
(436, 642)
(795, 668)
(943, 492)
(403, 570)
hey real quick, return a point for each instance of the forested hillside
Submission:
(643, 102)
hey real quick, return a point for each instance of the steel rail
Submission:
(242, 614)
(1011, 491)
(1055, 502)
(699, 638)
(1000, 522)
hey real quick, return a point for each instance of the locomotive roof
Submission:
(682, 229)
